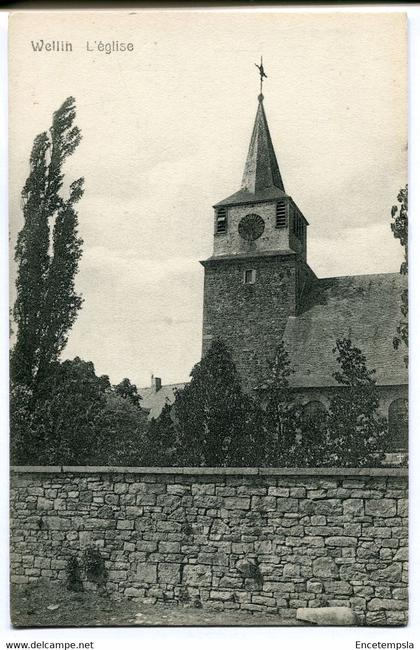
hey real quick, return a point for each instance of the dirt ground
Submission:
(44, 605)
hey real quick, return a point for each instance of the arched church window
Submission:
(398, 424)
(314, 412)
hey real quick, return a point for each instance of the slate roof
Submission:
(244, 196)
(261, 179)
(364, 308)
(153, 400)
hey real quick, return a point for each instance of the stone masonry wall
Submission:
(260, 540)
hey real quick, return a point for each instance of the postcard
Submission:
(209, 318)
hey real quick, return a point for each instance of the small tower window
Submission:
(221, 220)
(249, 276)
(298, 226)
(281, 215)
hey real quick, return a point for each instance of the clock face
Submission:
(251, 227)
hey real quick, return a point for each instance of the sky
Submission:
(166, 129)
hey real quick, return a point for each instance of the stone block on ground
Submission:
(337, 616)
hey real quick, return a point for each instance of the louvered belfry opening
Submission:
(281, 214)
(221, 220)
(298, 225)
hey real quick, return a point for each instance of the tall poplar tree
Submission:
(47, 252)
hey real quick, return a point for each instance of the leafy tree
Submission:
(24, 440)
(160, 442)
(119, 432)
(248, 448)
(128, 391)
(312, 444)
(76, 418)
(399, 227)
(68, 404)
(258, 452)
(357, 433)
(281, 417)
(48, 250)
(212, 413)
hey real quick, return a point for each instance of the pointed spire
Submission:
(261, 180)
(261, 171)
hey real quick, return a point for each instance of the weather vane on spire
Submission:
(262, 73)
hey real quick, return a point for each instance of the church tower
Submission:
(255, 278)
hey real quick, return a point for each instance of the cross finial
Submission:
(262, 74)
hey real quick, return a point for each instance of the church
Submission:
(259, 290)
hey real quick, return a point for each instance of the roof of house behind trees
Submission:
(153, 399)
